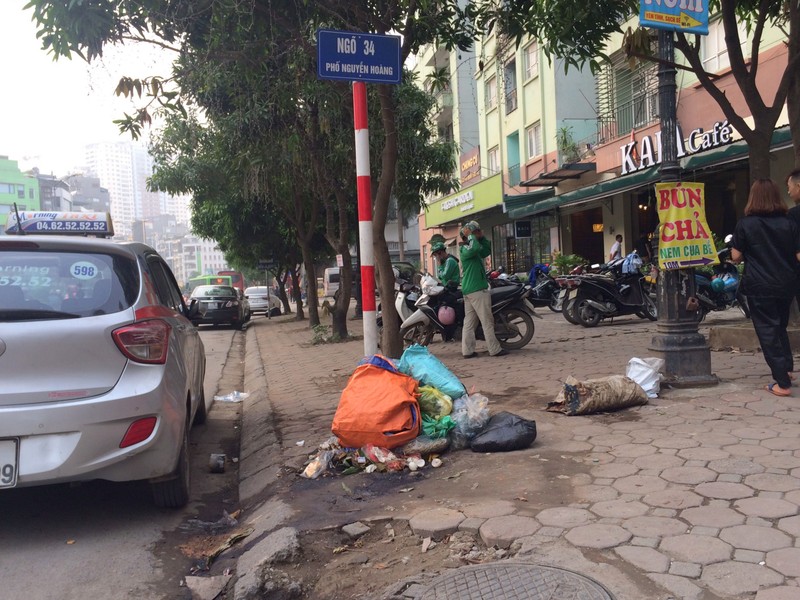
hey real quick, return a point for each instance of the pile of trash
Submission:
(402, 415)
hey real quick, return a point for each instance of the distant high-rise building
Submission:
(87, 193)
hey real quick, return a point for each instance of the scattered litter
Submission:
(646, 372)
(216, 463)
(70, 542)
(597, 395)
(406, 490)
(300, 443)
(232, 397)
(426, 543)
(504, 432)
(436, 463)
(456, 476)
(318, 465)
(207, 588)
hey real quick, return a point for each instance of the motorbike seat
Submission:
(501, 293)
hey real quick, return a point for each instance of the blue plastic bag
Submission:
(419, 363)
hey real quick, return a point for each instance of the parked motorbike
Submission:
(545, 290)
(566, 283)
(513, 322)
(621, 292)
(406, 295)
(720, 291)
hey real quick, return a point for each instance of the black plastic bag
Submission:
(504, 432)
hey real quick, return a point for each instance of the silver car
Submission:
(101, 368)
(260, 297)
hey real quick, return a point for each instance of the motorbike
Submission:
(545, 290)
(513, 322)
(620, 292)
(565, 284)
(406, 295)
(720, 290)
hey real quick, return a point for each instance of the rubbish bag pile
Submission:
(396, 416)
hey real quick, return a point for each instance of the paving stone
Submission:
(748, 450)
(355, 530)
(603, 481)
(622, 509)
(735, 465)
(780, 461)
(639, 484)
(675, 442)
(748, 556)
(699, 549)
(484, 510)
(501, 531)
(645, 559)
(793, 497)
(712, 516)
(703, 453)
(772, 482)
(471, 524)
(729, 478)
(689, 428)
(688, 475)
(783, 592)
(598, 536)
(658, 461)
(680, 586)
(551, 532)
(719, 439)
(611, 440)
(571, 446)
(724, 490)
(685, 569)
(790, 525)
(645, 542)
(781, 443)
(767, 508)
(753, 433)
(664, 512)
(673, 499)
(700, 530)
(654, 526)
(436, 523)
(595, 493)
(695, 463)
(634, 450)
(731, 578)
(786, 561)
(751, 537)
(613, 470)
(564, 517)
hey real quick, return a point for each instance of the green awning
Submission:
(603, 189)
(522, 204)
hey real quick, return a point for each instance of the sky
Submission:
(50, 110)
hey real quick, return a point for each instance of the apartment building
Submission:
(17, 188)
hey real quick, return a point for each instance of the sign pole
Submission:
(269, 301)
(687, 357)
(364, 189)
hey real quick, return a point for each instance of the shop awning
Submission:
(562, 173)
(522, 204)
(733, 152)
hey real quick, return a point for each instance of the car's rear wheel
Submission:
(201, 414)
(173, 491)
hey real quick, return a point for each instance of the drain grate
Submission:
(513, 581)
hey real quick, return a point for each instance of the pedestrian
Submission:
(616, 249)
(449, 276)
(477, 299)
(643, 248)
(793, 187)
(769, 244)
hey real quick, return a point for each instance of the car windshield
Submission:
(213, 291)
(58, 284)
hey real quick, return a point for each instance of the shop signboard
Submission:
(522, 229)
(474, 199)
(687, 16)
(684, 237)
(470, 167)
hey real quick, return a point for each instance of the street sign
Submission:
(265, 264)
(688, 16)
(349, 56)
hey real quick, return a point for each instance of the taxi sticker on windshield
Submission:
(83, 270)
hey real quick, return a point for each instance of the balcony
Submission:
(638, 113)
(512, 176)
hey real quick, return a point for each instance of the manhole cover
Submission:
(513, 581)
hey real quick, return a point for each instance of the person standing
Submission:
(477, 298)
(793, 187)
(769, 244)
(448, 274)
(616, 249)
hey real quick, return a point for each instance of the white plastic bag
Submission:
(646, 372)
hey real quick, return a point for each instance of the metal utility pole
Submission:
(685, 351)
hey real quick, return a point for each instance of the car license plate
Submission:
(8, 462)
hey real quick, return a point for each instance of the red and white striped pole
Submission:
(364, 188)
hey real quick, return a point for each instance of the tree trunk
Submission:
(340, 309)
(392, 344)
(282, 279)
(793, 98)
(299, 316)
(760, 164)
(401, 223)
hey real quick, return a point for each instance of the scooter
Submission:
(720, 291)
(545, 290)
(597, 297)
(513, 322)
(406, 295)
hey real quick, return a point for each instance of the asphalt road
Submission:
(105, 540)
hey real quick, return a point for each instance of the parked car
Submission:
(220, 304)
(101, 367)
(260, 297)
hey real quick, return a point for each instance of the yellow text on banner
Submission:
(684, 237)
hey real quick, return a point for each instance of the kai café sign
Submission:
(644, 153)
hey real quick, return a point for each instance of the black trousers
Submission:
(770, 319)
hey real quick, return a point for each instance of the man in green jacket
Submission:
(447, 267)
(477, 299)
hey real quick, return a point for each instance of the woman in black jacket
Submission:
(769, 243)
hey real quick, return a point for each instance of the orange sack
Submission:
(377, 407)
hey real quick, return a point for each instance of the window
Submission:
(714, 49)
(510, 81)
(494, 160)
(534, 136)
(491, 93)
(531, 60)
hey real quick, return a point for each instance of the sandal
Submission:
(776, 390)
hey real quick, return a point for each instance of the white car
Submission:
(101, 368)
(257, 295)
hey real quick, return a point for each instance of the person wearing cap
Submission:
(477, 299)
(448, 274)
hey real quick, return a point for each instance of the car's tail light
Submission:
(138, 432)
(145, 341)
(231, 303)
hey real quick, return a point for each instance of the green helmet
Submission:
(437, 246)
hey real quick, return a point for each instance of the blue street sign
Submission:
(349, 56)
(688, 16)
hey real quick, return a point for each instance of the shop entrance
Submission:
(585, 241)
